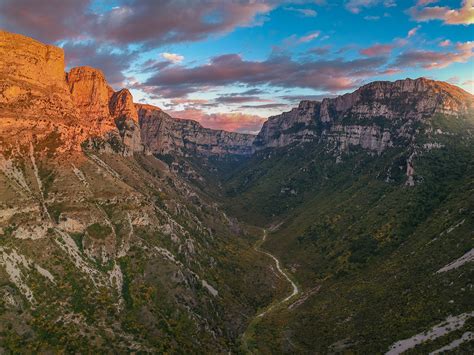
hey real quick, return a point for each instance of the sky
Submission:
(232, 64)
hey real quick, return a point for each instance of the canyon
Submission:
(125, 229)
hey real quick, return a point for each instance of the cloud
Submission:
(279, 71)
(435, 60)
(309, 37)
(461, 16)
(168, 21)
(111, 61)
(356, 6)
(271, 106)
(233, 99)
(146, 22)
(445, 43)
(48, 21)
(298, 98)
(303, 12)
(426, 2)
(454, 80)
(377, 50)
(413, 31)
(320, 50)
(233, 122)
(372, 18)
(172, 57)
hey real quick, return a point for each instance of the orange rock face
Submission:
(33, 63)
(90, 91)
(78, 106)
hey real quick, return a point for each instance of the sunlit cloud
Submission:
(172, 57)
(461, 16)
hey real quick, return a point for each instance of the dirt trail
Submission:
(295, 291)
(281, 271)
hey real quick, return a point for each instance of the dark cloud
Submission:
(154, 65)
(233, 99)
(141, 22)
(47, 21)
(265, 106)
(435, 60)
(320, 51)
(168, 21)
(112, 62)
(377, 50)
(330, 75)
(131, 21)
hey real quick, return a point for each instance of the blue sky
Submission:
(231, 64)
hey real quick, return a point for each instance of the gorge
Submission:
(124, 229)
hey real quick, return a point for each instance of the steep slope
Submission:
(366, 224)
(102, 247)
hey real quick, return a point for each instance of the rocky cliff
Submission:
(86, 112)
(371, 117)
(163, 134)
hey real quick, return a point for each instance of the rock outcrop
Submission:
(125, 116)
(163, 134)
(370, 117)
(91, 94)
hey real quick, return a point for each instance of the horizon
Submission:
(200, 66)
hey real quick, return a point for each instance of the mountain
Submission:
(368, 201)
(101, 245)
(125, 229)
(372, 117)
(164, 135)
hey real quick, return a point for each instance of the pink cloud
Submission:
(331, 75)
(309, 37)
(356, 6)
(377, 50)
(445, 43)
(436, 60)
(413, 31)
(461, 16)
(233, 122)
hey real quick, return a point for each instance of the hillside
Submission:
(366, 208)
(102, 246)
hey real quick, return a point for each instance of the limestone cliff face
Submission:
(163, 134)
(370, 117)
(90, 94)
(125, 115)
(31, 73)
(37, 98)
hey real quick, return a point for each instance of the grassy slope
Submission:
(165, 308)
